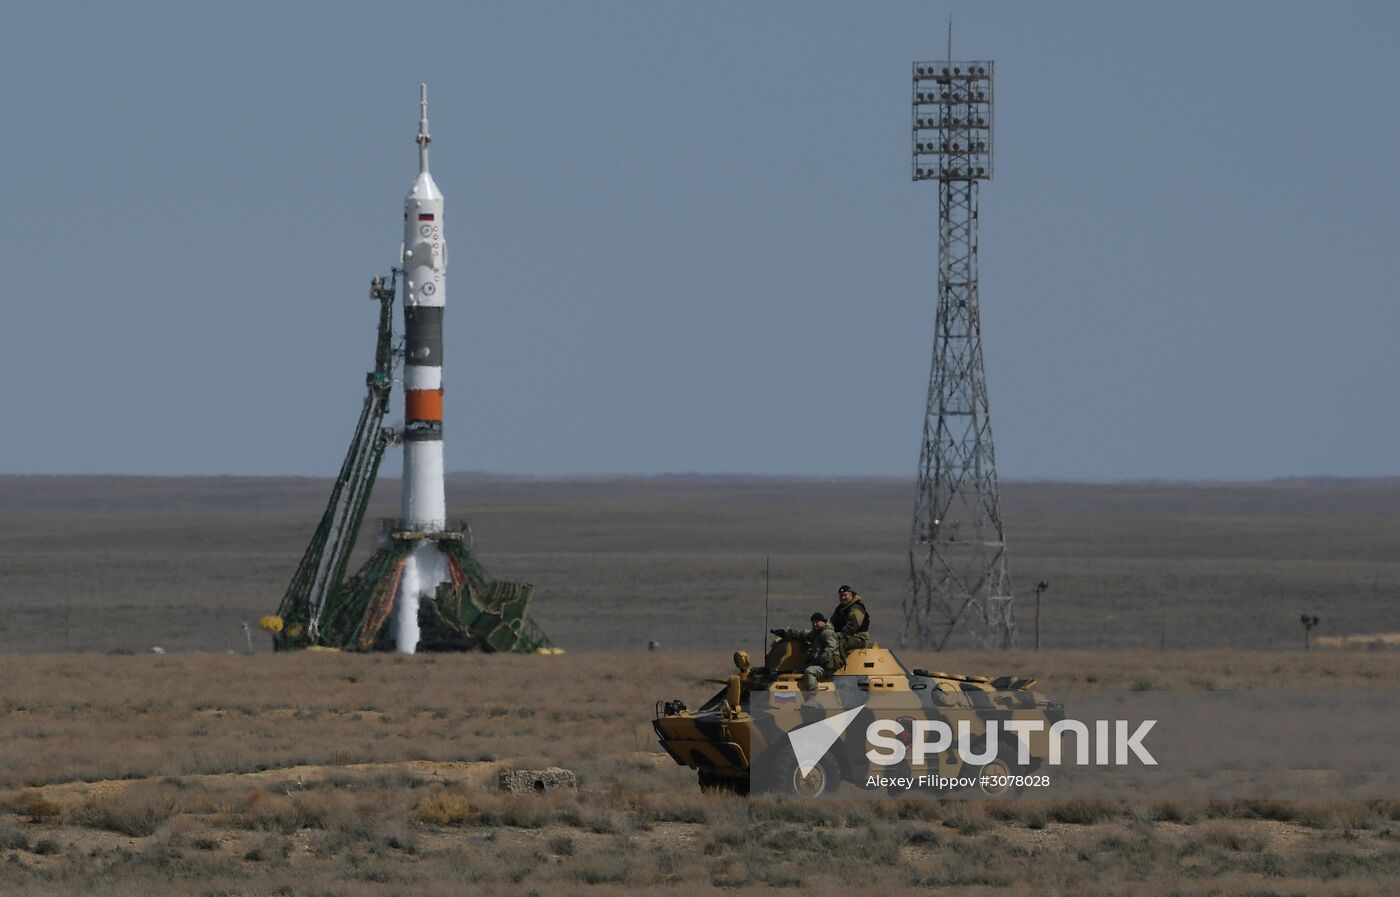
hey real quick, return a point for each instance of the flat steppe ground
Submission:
(96, 564)
(202, 772)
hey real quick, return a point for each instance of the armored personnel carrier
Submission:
(758, 706)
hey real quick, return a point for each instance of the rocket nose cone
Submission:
(424, 187)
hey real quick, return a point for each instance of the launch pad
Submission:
(470, 612)
(321, 609)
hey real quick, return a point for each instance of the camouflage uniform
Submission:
(852, 624)
(824, 654)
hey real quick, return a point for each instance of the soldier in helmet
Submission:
(824, 654)
(850, 619)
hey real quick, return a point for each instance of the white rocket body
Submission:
(424, 298)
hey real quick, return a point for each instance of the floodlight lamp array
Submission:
(952, 127)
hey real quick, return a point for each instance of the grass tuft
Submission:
(443, 806)
(136, 811)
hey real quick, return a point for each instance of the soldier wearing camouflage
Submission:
(850, 619)
(824, 654)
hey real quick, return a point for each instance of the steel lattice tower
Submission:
(957, 549)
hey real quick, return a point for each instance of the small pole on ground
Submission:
(767, 563)
(1040, 587)
(1308, 621)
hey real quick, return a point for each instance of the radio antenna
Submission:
(766, 559)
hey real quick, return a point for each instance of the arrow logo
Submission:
(810, 743)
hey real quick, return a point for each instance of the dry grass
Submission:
(629, 840)
(35, 807)
(211, 803)
(91, 717)
(136, 811)
(443, 806)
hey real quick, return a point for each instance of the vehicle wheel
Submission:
(717, 784)
(789, 781)
(1003, 765)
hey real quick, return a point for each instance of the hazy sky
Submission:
(684, 239)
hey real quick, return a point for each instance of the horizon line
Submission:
(482, 475)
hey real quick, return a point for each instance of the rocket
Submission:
(424, 297)
(424, 265)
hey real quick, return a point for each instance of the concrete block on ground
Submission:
(537, 781)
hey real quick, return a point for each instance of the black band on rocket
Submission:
(423, 335)
(422, 431)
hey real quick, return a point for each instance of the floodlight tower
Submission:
(957, 550)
